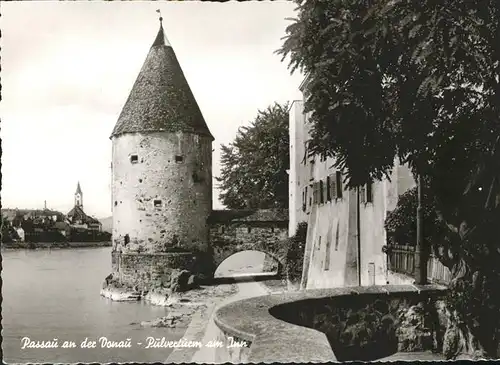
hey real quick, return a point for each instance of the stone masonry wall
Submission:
(228, 239)
(149, 271)
(371, 326)
(233, 350)
(161, 192)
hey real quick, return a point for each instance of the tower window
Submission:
(179, 159)
(116, 203)
(157, 203)
(134, 158)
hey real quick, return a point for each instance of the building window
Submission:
(221, 229)
(369, 193)
(333, 187)
(315, 193)
(157, 203)
(338, 178)
(366, 193)
(134, 158)
(304, 199)
(310, 196)
(328, 187)
(116, 203)
(304, 160)
(325, 192)
(321, 192)
(179, 159)
(311, 171)
(249, 229)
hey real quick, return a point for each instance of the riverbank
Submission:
(182, 307)
(52, 245)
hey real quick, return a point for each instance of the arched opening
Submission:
(248, 263)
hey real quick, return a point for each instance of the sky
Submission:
(68, 67)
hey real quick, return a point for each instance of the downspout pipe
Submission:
(358, 226)
(420, 254)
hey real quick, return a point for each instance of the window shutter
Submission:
(304, 191)
(338, 177)
(333, 187)
(369, 193)
(328, 187)
(362, 194)
(321, 192)
(325, 192)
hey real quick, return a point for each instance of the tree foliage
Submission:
(401, 223)
(418, 81)
(253, 173)
(295, 253)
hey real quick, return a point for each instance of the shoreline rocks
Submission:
(118, 295)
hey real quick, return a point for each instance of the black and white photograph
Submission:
(250, 181)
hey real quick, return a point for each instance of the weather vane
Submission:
(159, 12)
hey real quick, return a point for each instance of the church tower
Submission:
(78, 196)
(161, 175)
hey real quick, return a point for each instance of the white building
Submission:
(345, 237)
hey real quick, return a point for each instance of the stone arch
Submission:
(222, 250)
(219, 259)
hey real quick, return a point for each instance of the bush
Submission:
(295, 253)
(401, 223)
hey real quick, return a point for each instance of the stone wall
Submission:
(369, 326)
(161, 191)
(338, 324)
(233, 349)
(229, 238)
(150, 271)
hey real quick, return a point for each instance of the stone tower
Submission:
(78, 196)
(161, 176)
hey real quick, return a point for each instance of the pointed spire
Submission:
(78, 189)
(161, 99)
(161, 38)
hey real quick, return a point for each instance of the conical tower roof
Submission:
(161, 100)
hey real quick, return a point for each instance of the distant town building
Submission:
(20, 233)
(77, 218)
(345, 237)
(78, 196)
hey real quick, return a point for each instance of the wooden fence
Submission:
(402, 260)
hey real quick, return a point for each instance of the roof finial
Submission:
(159, 12)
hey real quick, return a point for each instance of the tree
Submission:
(253, 173)
(420, 81)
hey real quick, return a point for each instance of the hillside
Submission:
(107, 224)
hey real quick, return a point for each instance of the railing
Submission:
(437, 272)
(402, 260)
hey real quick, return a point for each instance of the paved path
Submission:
(202, 327)
(245, 290)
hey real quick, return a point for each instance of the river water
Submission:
(54, 294)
